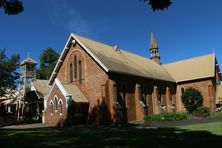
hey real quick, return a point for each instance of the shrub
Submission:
(201, 112)
(166, 116)
(192, 99)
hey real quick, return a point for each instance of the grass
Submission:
(214, 128)
(199, 135)
(216, 114)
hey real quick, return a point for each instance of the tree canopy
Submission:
(48, 60)
(11, 7)
(158, 4)
(8, 73)
(192, 99)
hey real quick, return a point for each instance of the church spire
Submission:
(154, 50)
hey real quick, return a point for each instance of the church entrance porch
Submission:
(78, 113)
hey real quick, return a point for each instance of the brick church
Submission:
(95, 82)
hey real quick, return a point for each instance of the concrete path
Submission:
(25, 126)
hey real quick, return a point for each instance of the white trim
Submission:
(61, 88)
(63, 91)
(59, 61)
(60, 100)
(45, 104)
(55, 97)
(56, 105)
(47, 96)
(51, 102)
(50, 91)
(51, 109)
(45, 99)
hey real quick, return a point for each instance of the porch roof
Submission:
(76, 93)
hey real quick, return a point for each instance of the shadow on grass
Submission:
(107, 137)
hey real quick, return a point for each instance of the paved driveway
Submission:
(25, 126)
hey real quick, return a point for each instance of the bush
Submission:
(192, 99)
(166, 116)
(202, 112)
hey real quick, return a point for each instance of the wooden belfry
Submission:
(28, 73)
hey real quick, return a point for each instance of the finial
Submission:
(28, 55)
(153, 43)
(116, 47)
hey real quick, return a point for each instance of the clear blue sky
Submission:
(187, 29)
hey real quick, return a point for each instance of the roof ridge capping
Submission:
(114, 47)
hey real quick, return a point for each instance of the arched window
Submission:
(60, 107)
(70, 73)
(51, 107)
(56, 103)
(75, 67)
(80, 72)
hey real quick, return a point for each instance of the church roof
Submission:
(75, 92)
(116, 60)
(191, 69)
(28, 61)
(41, 87)
(121, 61)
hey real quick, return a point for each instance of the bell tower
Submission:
(154, 50)
(28, 71)
(27, 75)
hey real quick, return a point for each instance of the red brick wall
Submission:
(134, 94)
(56, 118)
(202, 85)
(94, 76)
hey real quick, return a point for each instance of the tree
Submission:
(11, 7)
(48, 60)
(192, 99)
(158, 4)
(8, 73)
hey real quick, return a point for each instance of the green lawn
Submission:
(199, 135)
(214, 128)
